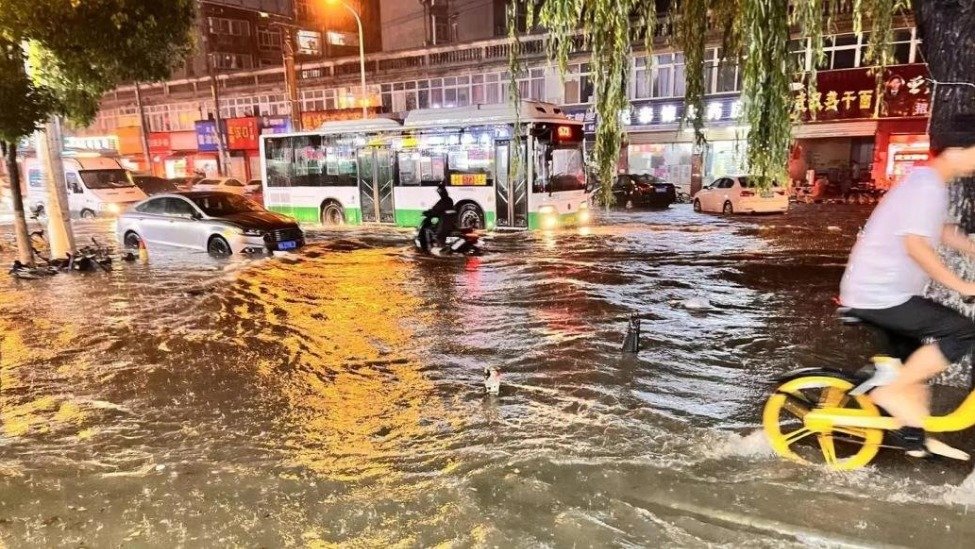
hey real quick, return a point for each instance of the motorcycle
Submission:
(458, 242)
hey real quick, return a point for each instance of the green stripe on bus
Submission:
(565, 220)
(311, 214)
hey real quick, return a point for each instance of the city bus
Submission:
(386, 170)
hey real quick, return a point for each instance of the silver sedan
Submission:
(217, 222)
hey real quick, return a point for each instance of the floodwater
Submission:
(334, 397)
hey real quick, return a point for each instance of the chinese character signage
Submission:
(312, 120)
(663, 112)
(275, 124)
(159, 142)
(242, 134)
(206, 136)
(309, 42)
(853, 94)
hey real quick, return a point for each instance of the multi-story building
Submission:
(855, 134)
(407, 25)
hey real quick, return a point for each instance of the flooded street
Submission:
(335, 397)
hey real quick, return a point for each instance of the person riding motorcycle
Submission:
(446, 216)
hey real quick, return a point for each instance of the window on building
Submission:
(231, 61)
(303, 9)
(229, 27)
(269, 39)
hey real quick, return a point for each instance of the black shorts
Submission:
(920, 321)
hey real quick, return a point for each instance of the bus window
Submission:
(340, 166)
(421, 168)
(279, 159)
(558, 168)
(471, 164)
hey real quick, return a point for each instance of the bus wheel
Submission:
(470, 216)
(87, 214)
(333, 214)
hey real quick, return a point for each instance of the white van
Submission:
(96, 187)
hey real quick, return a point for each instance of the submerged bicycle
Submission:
(825, 416)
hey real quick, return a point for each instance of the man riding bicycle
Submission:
(892, 263)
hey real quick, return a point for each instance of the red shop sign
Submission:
(159, 142)
(242, 134)
(853, 93)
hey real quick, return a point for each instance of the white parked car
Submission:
(738, 194)
(225, 184)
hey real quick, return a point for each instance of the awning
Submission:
(819, 130)
(675, 134)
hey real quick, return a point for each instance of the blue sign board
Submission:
(275, 124)
(206, 136)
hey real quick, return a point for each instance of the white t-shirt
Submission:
(880, 274)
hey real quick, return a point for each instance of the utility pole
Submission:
(59, 232)
(143, 127)
(223, 167)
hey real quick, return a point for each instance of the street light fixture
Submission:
(362, 52)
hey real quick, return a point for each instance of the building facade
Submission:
(846, 131)
(407, 25)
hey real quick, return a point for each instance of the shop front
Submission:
(206, 161)
(657, 143)
(242, 144)
(850, 139)
(131, 153)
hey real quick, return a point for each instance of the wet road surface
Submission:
(334, 397)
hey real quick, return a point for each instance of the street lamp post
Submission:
(362, 53)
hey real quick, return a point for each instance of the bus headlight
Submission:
(549, 217)
(584, 215)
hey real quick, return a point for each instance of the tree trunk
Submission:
(947, 30)
(25, 252)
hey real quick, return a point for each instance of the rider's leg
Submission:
(908, 398)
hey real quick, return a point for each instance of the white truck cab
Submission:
(97, 187)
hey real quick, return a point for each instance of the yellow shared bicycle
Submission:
(825, 416)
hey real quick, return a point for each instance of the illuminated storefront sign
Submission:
(309, 42)
(242, 134)
(646, 114)
(852, 93)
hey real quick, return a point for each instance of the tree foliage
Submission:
(78, 49)
(755, 34)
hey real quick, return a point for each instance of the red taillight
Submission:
(747, 193)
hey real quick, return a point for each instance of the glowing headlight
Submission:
(549, 217)
(584, 215)
(252, 232)
(113, 208)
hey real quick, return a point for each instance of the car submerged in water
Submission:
(219, 223)
(643, 191)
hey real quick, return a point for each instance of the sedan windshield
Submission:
(216, 205)
(106, 179)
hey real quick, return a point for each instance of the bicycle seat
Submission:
(845, 316)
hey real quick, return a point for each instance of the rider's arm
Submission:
(953, 237)
(920, 250)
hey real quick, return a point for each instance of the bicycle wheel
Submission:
(843, 448)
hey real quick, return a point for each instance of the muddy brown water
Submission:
(334, 397)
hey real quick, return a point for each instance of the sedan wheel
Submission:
(728, 208)
(131, 240)
(218, 246)
(697, 205)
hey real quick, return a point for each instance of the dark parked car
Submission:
(151, 184)
(635, 191)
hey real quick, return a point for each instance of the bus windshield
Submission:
(559, 168)
(106, 179)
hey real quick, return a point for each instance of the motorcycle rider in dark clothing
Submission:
(446, 215)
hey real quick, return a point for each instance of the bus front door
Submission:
(376, 185)
(511, 193)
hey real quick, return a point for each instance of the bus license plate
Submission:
(288, 245)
